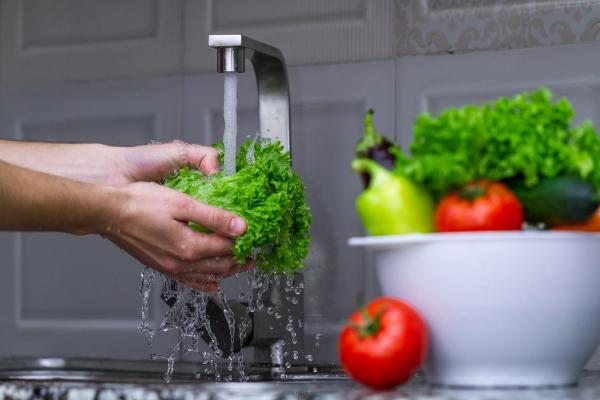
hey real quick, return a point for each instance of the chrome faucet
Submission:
(274, 121)
(271, 80)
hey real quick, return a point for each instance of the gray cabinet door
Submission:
(62, 40)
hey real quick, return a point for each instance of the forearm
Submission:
(95, 163)
(30, 200)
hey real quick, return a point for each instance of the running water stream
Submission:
(230, 120)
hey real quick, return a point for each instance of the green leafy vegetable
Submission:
(268, 194)
(527, 136)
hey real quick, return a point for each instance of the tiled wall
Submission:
(444, 26)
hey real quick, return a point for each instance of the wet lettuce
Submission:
(268, 194)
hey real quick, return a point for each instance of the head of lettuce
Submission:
(268, 194)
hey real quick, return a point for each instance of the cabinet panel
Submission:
(265, 14)
(307, 32)
(75, 40)
(63, 23)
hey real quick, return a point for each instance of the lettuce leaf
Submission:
(268, 194)
(527, 136)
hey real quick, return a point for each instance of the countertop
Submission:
(587, 389)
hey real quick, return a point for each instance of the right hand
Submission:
(151, 224)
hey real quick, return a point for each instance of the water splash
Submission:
(144, 327)
(188, 317)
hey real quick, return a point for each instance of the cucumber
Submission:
(556, 201)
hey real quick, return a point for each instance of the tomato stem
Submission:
(371, 325)
(473, 191)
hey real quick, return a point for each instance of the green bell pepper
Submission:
(392, 204)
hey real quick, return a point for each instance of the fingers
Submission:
(215, 219)
(211, 269)
(206, 282)
(212, 266)
(204, 158)
(208, 287)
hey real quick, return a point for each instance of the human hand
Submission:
(152, 162)
(150, 222)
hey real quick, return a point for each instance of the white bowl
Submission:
(502, 308)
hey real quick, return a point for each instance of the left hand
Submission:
(152, 162)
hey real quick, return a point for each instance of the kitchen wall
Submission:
(136, 71)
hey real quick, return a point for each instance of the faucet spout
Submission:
(271, 80)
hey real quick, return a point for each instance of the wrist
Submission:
(106, 207)
(113, 161)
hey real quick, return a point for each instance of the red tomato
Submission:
(480, 206)
(383, 344)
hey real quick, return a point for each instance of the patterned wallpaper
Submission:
(442, 26)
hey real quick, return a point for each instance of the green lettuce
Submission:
(528, 136)
(268, 194)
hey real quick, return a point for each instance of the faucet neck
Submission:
(271, 80)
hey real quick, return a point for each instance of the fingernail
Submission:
(211, 289)
(237, 226)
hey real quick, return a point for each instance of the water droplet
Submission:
(295, 354)
(309, 357)
(278, 316)
(270, 310)
(315, 370)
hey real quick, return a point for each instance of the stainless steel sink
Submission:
(103, 379)
(147, 372)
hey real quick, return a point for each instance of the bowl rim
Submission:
(441, 237)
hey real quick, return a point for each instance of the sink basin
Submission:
(145, 372)
(104, 379)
